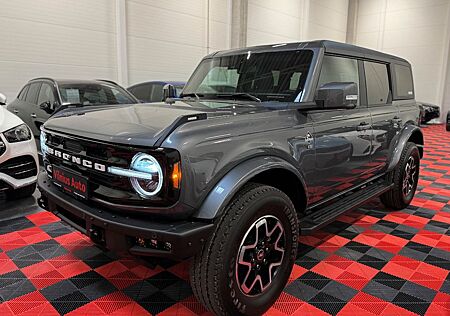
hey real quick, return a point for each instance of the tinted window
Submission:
(46, 94)
(377, 81)
(157, 93)
(142, 92)
(23, 93)
(33, 92)
(94, 94)
(270, 76)
(403, 82)
(339, 69)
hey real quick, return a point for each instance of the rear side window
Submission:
(142, 92)
(23, 93)
(33, 92)
(157, 93)
(377, 81)
(403, 88)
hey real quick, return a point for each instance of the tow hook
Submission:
(42, 202)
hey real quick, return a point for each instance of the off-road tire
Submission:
(395, 198)
(213, 278)
(23, 192)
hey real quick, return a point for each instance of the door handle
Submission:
(33, 115)
(15, 111)
(363, 126)
(397, 119)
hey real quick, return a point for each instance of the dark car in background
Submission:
(40, 98)
(152, 91)
(447, 125)
(428, 112)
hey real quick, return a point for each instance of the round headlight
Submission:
(148, 179)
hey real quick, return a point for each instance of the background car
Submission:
(152, 91)
(40, 98)
(18, 155)
(428, 112)
(447, 126)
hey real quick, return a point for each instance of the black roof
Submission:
(328, 46)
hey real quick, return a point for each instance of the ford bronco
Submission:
(264, 145)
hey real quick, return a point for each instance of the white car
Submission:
(18, 155)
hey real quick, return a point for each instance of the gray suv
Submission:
(264, 145)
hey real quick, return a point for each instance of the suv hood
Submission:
(8, 120)
(139, 124)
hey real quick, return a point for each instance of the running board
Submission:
(323, 216)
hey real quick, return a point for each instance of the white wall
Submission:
(275, 21)
(58, 38)
(412, 29)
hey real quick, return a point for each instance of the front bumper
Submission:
(121, 233)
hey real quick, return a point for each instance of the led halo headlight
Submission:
(150, 184)
(43, 141)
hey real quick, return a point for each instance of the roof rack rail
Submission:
(43, 78)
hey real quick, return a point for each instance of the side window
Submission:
(339, 69)
(157, 93)
(377, 81)
(23, 93)
(33, 93)
(142, 92)
(46, 94)
(404, 88)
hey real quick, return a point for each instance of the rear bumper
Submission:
(169, 239)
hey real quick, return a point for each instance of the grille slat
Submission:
(19, 167)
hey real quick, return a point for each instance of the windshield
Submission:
(93, 94)
(270, 76)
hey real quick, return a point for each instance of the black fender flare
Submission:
(402, 138)
(222, 193)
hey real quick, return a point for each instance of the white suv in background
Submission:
(18, 155)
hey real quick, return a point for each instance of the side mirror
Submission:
(2, 99)
(169, 93)
(48, 107)
(337, 95)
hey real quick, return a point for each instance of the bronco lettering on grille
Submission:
(76, 160)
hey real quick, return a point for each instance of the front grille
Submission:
(19, 167)
(104, 186)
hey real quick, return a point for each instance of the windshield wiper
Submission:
(238, 95)
(192, 94)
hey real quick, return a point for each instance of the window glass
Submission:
(93, 94)
(157, 93)
(46, 94)
(270, 76)
(142, 92)
(339, 69)
(23, 93)
(403, 82)
(33, 92)
(377, 81)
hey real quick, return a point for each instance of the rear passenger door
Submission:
(29, 106)
(386, 120)
(342, 137)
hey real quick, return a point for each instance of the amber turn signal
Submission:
(176, 175)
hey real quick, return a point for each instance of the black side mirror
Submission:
(169, 93)
(337, 95)
(2, 99)
(48, 107)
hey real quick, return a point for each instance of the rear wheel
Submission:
(405, 178)
(245, 264)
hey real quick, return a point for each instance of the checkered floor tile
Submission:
(370, 261)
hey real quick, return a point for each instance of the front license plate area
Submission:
(71, 182)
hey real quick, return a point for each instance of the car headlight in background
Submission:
(2, 147)
(18, 134)
(43, 141)
(148, 178)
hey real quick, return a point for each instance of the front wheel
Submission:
(405, 178)
(245, 264)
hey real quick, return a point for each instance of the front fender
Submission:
(234, 180)
(408, 133)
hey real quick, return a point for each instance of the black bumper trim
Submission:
(186, 237)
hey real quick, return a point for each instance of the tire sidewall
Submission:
(234, 300)
(412, 151)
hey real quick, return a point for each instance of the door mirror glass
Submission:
(337, 95)
(169, 93)
(48, 107)
(2, 99)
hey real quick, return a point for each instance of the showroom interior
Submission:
(121, 207)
